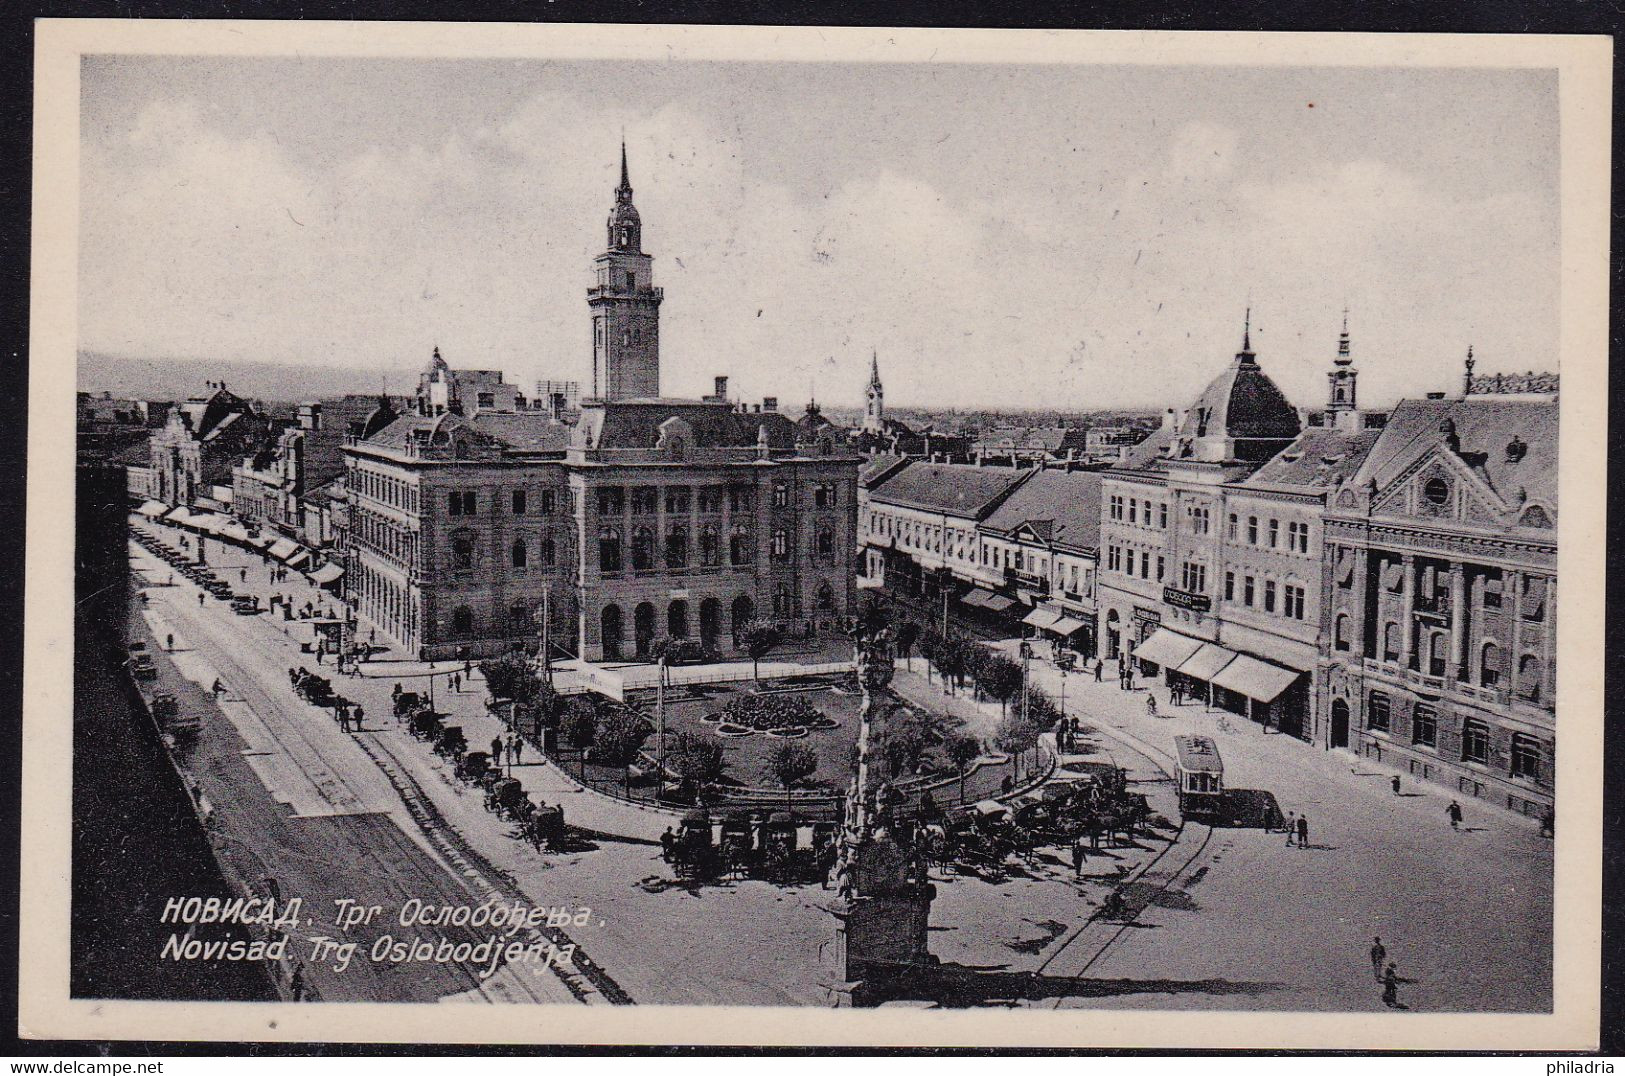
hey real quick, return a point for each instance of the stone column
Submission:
(1407, 623)
(1458, 620)
(1514, 580)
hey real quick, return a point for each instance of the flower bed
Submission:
(773, 713)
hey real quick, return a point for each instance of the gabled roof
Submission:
(1060, 506)
(879, 467)
(1511, 444)
(636, 424)
(1319, 459)
(953, 488)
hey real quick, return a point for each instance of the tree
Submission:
(1014, 735)
(619, 738)
(952, 657)
(579, 726)
(907, 634)
(873, 612)
(760, 638)
(696, 760)
(510, 677)
(929, 643)
(998, 677)
(789, 763)
(962, 751)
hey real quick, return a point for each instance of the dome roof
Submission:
(381, 416)
(1242, 402)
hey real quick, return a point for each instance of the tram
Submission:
(1201, 778)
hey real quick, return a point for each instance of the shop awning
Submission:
(986, 599)
(1206, 662)
(234, 530)
(1255, 679)
(1042, 617)
(153, 509)
(1167, 648)
(327, 573)
(1066, 625)
(299, 559)
(209, 522)
(282, 548)
(260, 540)
(180, 515)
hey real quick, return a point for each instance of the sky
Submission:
(1056, 236)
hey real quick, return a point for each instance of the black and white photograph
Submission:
(812, 529)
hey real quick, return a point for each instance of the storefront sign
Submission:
(1184, 599)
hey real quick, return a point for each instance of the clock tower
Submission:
(625, 307)
(874, 399)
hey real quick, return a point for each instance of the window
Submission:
(1199, 520)
(1247, 591)
(824, 495)
(1162, 516)
(740, 550)
(461, 503)
(1297, 537)
(549, 502)
(1390, 642)
(1252, 530)
(1492, 592)
(677, 499)
(1193, 577)
(1275, 533)
(1133, 510)
(826, 596)
(609, 550)
(1424, 726)
(643, 550)
(1229, 586)
(1114, 558)
(1231, 528)
(741, 499)
(462, 552)
(1437, 490)
(781, 495)
(780, 544)
(518, 502)
(677, 546)
(1438, 653)
(1128, 560)
(1525, 756)
(783, 599)
(645, 500)
(1379, 714)
(826, 542)
(610, 502)
(1269, 595)
(519, 620)
(462, 622)
(708, 545)
(1145, 559)
(519, 553)
(1489, 666)
(1292, 601)
(548, 551)
(1116, 507)
(1340, 633)
(1529, 678)
(710, 500)
(1475, 741)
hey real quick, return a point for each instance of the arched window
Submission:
(1438, 653)
(677, 546)
(547, 551)
(709, 545)
(610, 630)
(826, 542)
(462, 551)
(1340, 635)
(462, 622)
(677, 619)
(609, 550)
(743, 612)
(519, 553)
(643, 549)
(783, 599)
(781, 543)
(1489, 665)
(710, 621)
(740, 550)
(826, 596)
(1530, 677)
(643, 628)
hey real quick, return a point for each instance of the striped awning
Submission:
(1042, 617)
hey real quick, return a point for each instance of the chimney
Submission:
(770, 403)
(758, 409)
(721, 392)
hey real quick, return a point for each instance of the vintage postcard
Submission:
(571, 534)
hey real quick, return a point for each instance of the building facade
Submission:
(199, 443)
(1441, 594)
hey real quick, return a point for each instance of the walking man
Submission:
(1378, 955)
(1395, 783)
(496, 750)
(1390, 986)
(344, 718)
(1303, 831)
(1454, 811)
(1291, 828)
(169, 641)
(1099, 665)
(1077, 860)
(359, 713)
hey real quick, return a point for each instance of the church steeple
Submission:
(625, 226)
(1342, 381)
(874, 404)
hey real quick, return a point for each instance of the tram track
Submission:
(585, 981)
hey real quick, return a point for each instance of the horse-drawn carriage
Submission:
(544, 827)
(316, 690)
(425, 724)
(450, 743)
(508, 798)
(473, 766)
(407, 701)
(693, 854)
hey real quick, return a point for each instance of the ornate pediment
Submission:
(1439, 485)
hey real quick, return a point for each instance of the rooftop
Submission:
(1067, 501)
(953, 488)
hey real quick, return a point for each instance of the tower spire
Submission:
(623, 193)
(1343, 355)
(1244, 357)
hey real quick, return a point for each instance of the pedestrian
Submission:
(1303, 831)
(518, 749)
(496, 750)
(1099, 665)
(169, 641)
(1150, 705)
(1390, 986)
(359, 713)
(344, 718)
(244, 575)
(1454, 811)
(457, 681)
(1291, 828)
(1077, 860)
(218, 687)
(667, 840)
(395, 692)
(200, 600)
(1378, 955)
(1395, 783)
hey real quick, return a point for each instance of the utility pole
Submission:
(660, 722)
(547, 635)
